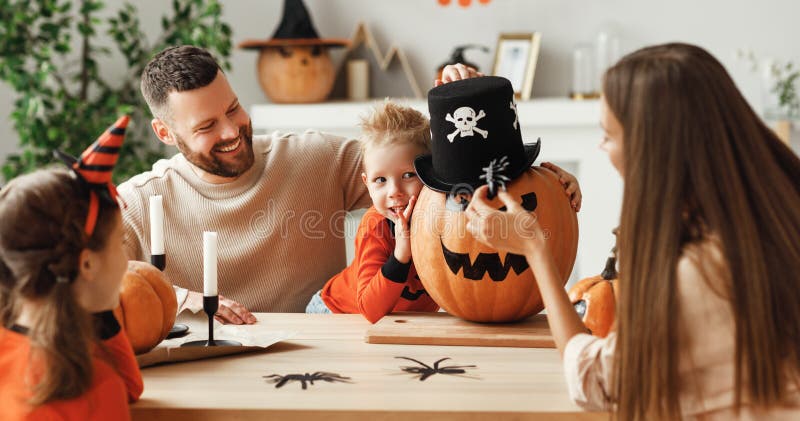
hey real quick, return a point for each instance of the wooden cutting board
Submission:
(444, 329)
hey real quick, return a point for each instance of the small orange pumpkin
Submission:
(475, 282)
(595, 298)
(296, 74)
(147, 306)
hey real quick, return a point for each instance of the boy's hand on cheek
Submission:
(402, 233)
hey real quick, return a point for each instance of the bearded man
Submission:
(276, 201)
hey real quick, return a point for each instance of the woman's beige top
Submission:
(707, 333)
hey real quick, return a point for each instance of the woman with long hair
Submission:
(709, 248)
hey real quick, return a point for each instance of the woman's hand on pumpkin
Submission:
(458, 71)
(570, 184)
(402, 233)
(516, 230)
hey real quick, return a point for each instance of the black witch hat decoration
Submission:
(95, 166)
(295, 29)
(475, 136)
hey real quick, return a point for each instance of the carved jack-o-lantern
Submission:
(296, 74)
(472, 281)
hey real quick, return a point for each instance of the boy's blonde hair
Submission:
(390, 124)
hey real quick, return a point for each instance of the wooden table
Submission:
(507, 383)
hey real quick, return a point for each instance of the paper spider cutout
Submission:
(426, 371)
(306, 378)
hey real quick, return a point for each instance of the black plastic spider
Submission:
(426, 371)
(303, 378)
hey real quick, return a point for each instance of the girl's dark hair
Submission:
(42, 217)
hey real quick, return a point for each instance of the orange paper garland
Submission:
(462, 3)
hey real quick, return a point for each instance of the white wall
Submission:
(8, 138)
(428, 32)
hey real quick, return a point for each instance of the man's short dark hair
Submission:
(177, 69)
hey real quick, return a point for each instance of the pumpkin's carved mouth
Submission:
(485, 262)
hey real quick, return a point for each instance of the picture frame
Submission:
(515, 59)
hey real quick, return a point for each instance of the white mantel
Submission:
(570, 135)
(343, 116)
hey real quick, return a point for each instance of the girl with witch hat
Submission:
(62, 353)
(708, 320)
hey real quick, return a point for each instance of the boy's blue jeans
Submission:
(317, 306)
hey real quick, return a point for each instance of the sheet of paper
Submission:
(170, 350)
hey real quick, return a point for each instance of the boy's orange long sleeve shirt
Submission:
(376, 283)
(116, 382)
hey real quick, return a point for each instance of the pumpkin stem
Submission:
(610, 271)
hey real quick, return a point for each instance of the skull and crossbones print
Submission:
(466, 122)
(513, 106)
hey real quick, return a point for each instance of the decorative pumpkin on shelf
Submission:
(296, 74)
(294, 66)
(595, 298)
(147, 306)
(476, 140)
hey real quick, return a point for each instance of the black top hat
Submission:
(475, 136)
(295, 29)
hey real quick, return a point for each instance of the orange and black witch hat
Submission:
(95, 166)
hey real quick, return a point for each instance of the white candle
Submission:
(156, 226)
(209, 264)
(357, 80)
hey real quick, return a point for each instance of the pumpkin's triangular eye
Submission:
(316, 50)
(529, 202)
(285, 52)
(456, 203)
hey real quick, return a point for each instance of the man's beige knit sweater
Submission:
(280, 224)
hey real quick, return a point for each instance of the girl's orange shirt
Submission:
(117, 381)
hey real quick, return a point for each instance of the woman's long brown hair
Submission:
(697, 158)
(42, 216)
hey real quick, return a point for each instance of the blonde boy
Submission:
(382, 279)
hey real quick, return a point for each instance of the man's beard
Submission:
(211, 164)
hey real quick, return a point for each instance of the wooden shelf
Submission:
(337, 115)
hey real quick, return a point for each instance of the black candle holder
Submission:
(210, 306)
(160, 262)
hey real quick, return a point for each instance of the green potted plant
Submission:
(782, 104)
(783, 78)
(779, 80)
(50, 56)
